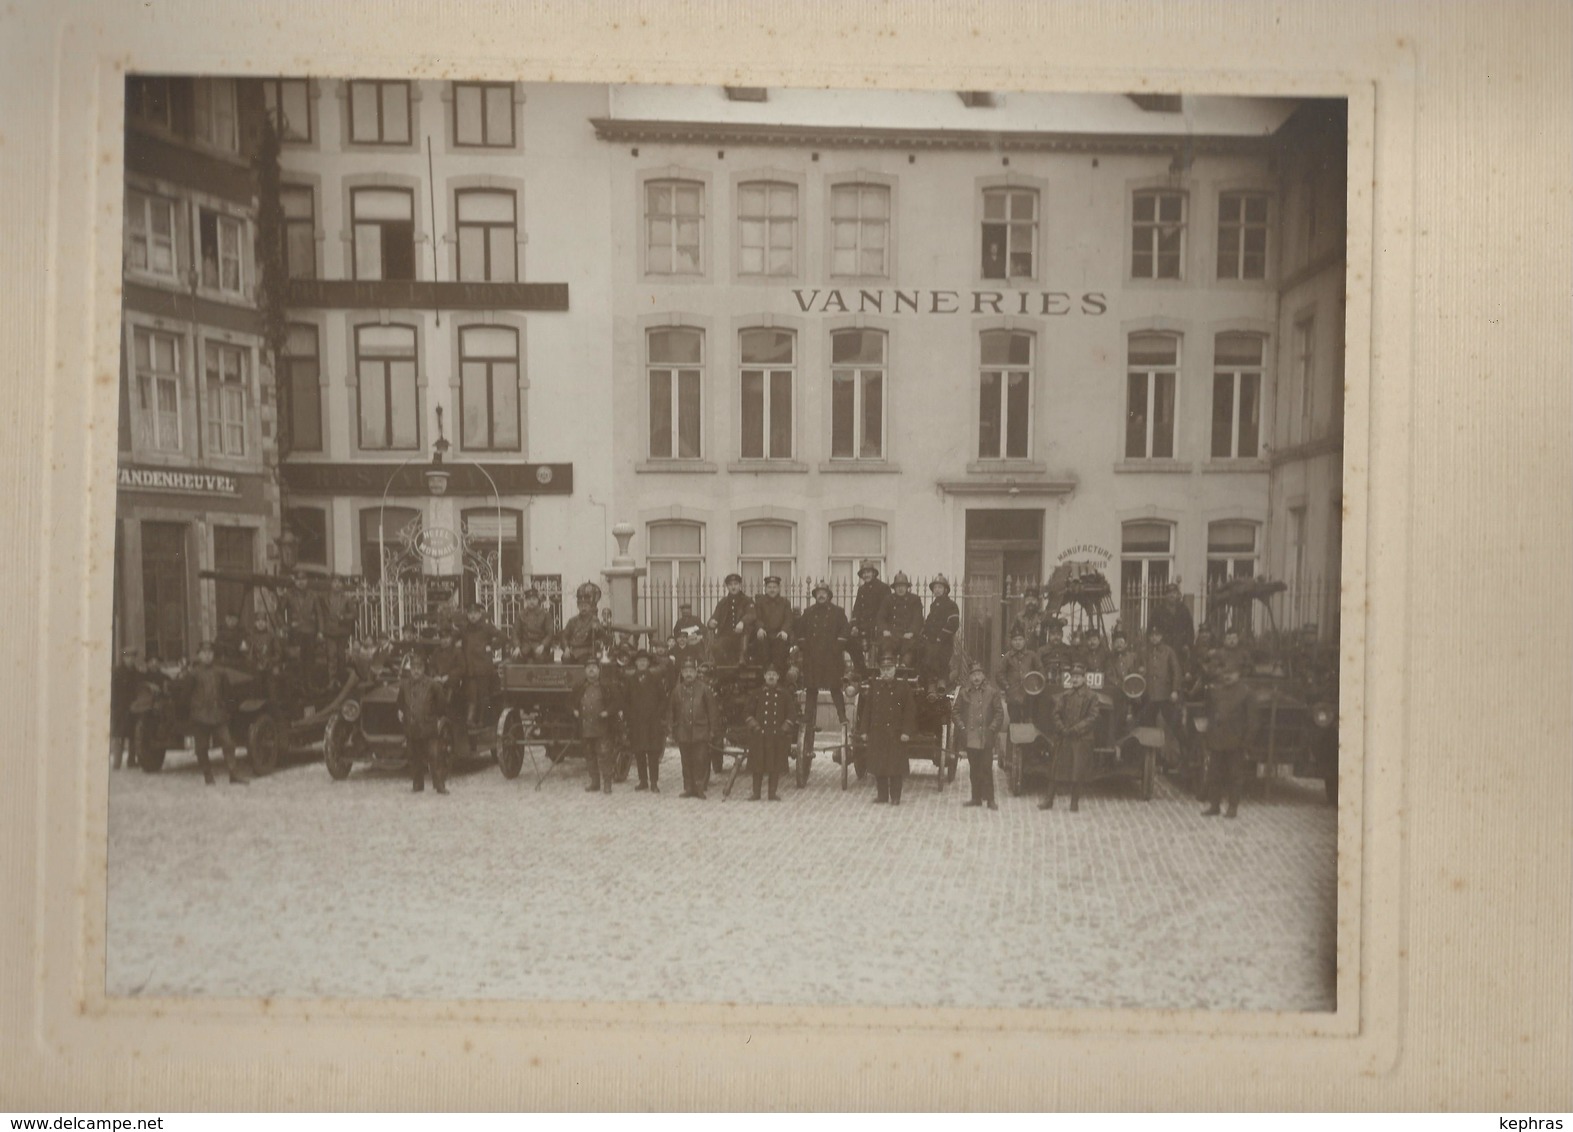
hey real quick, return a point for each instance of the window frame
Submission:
(149, 422)
(1232, 559)
(360, 358)
(275, 86)
(1005, 370)
(768, 563)
(288, 361)
(483, 87)
(1009, 190)
(769, 185)
(674, 372)
(1244, 226)
(673, 179)
(859, 372)
(221, 221)
(293, 223)
(1304, 345)
(854, 561)
(1146, 560)
(381, 139)
(220, 395)
(137, 103)
(768, 372)
(486, 227)
(1237, 374)
(860, 183)
(355, 192)
(291, 522)
(491, 361)
(1153, 228)
(147, 201)
(207, 123)
(1151, 373)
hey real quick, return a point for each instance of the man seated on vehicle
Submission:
(1232, 652)
(420, 706)
(302, 616)
(261, 647)
(864, 615)
(480, 670)
(534, 630)
(582, 637)
(900, 622)
(1162, 704)
(1091, 652)
(939, 630)
(729, 623)
(1013, 667)
(1122, 662)
(688, 636)
(1054, 654)
(771, 627)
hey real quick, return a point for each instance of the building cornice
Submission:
(1062, 484)
(875, 137)
(1322, 446)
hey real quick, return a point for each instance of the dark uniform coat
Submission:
(773, 723)
(302, 612)
(421, 700)
(229, 646)
(338, 615)
(1013, 666)
(887, 711)
(207, 684)
(645, 710)
(901, 614)
(822, 632)
(479, 640)
(870, 600)
(534, 628)
(728, 643)
(979, 715)
(1162, 669)
(125, 682)
(582, 637)
(691, 713)
(1075, 719)
(1030, 624)
(939, 635)
(1174, 621)
(593, 699)
(262, 649)
(1231, 714)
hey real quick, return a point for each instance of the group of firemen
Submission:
(643, 699)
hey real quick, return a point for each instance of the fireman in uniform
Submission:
(823, 634)
(420, 706)
(692, 718)
(598, 708)
(533, 631)
(480, 671)
(870, 600)
(979, 715)
(1013, 667)
(1162, 669)
(1170, 614)
(1075, 718)
(229, 646)
(887, 715)
(1029, 624)
(645, 705)
(302, 617)
(582, 636)
(688, 635)
(771, 627)
(338, 625)
(729, 623)
(1231, 717)
(1123, 661)
(939, 630)
(901, 620)
(772, 723)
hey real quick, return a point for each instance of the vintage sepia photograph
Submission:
(727, 544)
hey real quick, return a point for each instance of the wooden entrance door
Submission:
(164, 608)
(1004, 554)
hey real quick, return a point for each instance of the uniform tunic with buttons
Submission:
(886, 712)
(773, 717)
(646, 710)
(692, 712)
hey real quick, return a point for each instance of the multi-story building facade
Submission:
(1305, 506)
(447, 262)
(197, 449)
(980, 334)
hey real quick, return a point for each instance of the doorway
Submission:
(1004, 557)
(234, 552)
(164, 590)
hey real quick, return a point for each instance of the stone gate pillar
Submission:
(622, 578)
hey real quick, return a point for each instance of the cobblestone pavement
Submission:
(298, 886)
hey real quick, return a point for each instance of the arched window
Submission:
(1237, 396)
(769, 364)
(851, 542)
(765, 549)
(1152, 372)
(1146, 567)
(676, 568)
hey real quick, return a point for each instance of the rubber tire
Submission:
(150, 761)
(1149, 773)
(334, 738)
(510, 752)
(263, 745)
(622, 766)
(1015, 771)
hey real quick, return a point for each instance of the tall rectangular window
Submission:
(674, 227)
(1242, 236)
(676, 570)
(385, 369)
(225, 399)
(303, 378)
(768, 361)
(1237, 395)
(1305, 375)
(1146, 565)
(384, 222)
(483, 114)
(164, 578)
(675, 363)
(150, 235)
(857, 395)
(1152, 370)
(1231, 551)
(387, 541)
(1005, 395)
(860, 230)
(379, 112)
(217, 123)
(1158, 234)
(495, 552)
(288, 103)
(158, 384)
(309, 525)
(489, 387)
(851, 544)
(300, 231)
(767, 228)
(220, 240)
(765, 550)
(488, 236)
(1010, 233)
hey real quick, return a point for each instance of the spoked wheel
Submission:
(264, 738)
(510, 752)
(1015, 771)
(335, 748)
(151, 761)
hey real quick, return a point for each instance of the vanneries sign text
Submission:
(838, 300)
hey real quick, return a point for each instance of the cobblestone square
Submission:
(296, 886)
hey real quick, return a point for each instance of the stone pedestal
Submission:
(622, 578)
